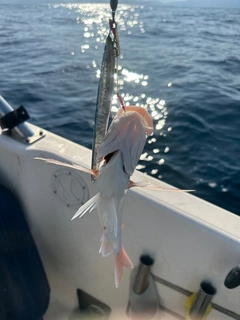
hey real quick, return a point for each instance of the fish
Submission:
(119, 154)
(120, 151)
(104, 99)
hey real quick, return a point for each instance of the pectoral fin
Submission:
(73, 166)
(147, 185)
(88, 206)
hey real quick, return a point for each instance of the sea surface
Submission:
(182, 64)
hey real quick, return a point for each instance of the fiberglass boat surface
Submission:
(190, 239)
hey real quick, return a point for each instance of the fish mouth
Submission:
(109, 156)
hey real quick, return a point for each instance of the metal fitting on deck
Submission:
(198, 305)
(143, 296)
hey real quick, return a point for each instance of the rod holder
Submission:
(143, 295)
(202, 301)
(22, 132)
(143, 273)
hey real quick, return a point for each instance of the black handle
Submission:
(232, 280)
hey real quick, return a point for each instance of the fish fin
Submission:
(125, 259)
(107, 214)
(93, 207)
(122, 260)
(106, 247)
(73, 166)
(147, 185)
(131, 184)
(88, 206)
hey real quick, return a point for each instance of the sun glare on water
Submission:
(133, 86)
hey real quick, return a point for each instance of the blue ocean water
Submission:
(183, 64)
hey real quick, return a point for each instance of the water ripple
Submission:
(181, 64)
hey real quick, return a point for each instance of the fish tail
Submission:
(122, 260)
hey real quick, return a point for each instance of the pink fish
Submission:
(120, 151)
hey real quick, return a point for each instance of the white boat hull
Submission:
(190, 239)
